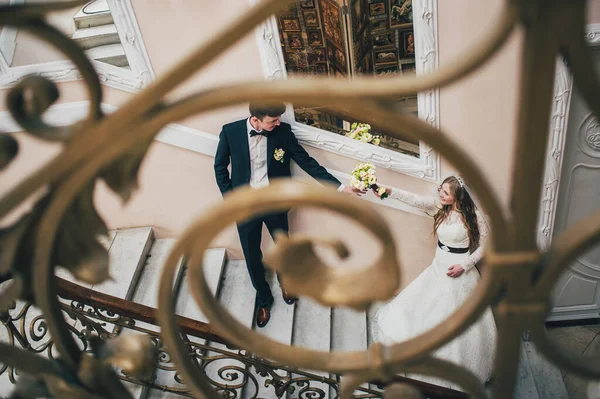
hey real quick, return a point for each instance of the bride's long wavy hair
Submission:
(466, 206)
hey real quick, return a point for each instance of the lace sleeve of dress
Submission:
(422, 202)
(476, 255)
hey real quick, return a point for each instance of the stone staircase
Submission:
(136, 259)
(97, 34)
(136, 264)
(305, 324)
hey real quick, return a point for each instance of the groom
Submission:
(259, 149)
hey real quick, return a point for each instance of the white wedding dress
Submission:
(433, 296)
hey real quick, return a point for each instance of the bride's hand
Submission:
(454, 271)
(387, 190)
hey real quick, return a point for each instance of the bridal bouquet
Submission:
(363, 178)
(362, 132)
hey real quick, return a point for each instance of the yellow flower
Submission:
(278, 154)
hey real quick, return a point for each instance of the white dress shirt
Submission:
(259, 176)
(258, 158)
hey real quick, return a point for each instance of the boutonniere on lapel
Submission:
(278, 154)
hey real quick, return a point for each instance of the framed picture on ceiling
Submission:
(307, 3)
(332, 22)
(385, 56)
(377, 8)
(378, 24)
(384, 39)
(317, 55)
(310, 19)
(410, 68)
(401, 13)
(295, 40)
(290, 24)
(407, 47)
(388, 70)
(315, 38)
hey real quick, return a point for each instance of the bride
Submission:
(443, 286)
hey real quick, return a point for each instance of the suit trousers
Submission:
(250, 233)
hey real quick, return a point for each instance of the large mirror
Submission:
(348, 38)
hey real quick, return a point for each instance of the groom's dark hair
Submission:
(261, 110)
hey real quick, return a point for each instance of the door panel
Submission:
(577, 293)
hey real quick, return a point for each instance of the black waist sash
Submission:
(452, 250)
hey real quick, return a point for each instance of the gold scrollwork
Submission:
(62, 227)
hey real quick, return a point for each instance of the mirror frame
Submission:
(427, 166)
(140, 75)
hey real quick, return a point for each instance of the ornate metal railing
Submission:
(61, 228)
(95, 315)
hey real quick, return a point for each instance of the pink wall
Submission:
(479, 112)
(593, 11)
(176, 185)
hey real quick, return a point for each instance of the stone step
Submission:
(525, 385)
(136, 390)
(95, 13)
(106, 242)
(538, 378)
(113, 54)
(214, 262)
(149, 281)
(127, 250)
(279, 328)
(127, 256)
(281, 324)
(238, 296)
(312, 330)
(348, 332)
(96, 36)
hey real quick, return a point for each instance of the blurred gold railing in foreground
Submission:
(229, 370)
(62, 227)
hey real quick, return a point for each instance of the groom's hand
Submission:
(454, 271)
(353, 191)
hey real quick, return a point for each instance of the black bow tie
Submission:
(261, 133)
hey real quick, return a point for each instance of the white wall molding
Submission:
(131, 39)
(427, 166)
(173, 134)
(563, 88)
(138, 77)
(563, 83)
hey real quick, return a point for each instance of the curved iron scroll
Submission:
(62, 227)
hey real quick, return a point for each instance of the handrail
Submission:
(123, 307)
(73, 291)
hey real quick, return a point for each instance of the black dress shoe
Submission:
(263, 315)
(290, 300)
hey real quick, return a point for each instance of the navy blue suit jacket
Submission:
(234, 148)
